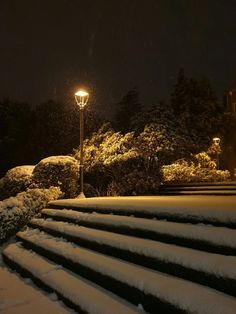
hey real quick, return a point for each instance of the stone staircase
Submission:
(198, 189)
(101, 260)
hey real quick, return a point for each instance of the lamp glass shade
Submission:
(81, 98)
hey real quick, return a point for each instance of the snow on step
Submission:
(198, 187)
(219, 209)
(89, 297)
(198, 192)
(17, 297)
(218, 236)
(219, 265)
(183, 294)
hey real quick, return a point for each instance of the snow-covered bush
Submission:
(161, 144)
(203, 160)
(154, 144)
(107, 156)
(16, 180)
(17, 211)
(106, 147)
(180, 171)
(122, 164)
(134, 183)
(60, 171)
(189, 171)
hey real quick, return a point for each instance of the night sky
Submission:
(49, 48)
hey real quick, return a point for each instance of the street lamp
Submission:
(81, 98)
(216, 142)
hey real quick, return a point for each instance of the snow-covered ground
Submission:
(19, 297)
(22, 296)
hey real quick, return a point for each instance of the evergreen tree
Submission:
(161, 113)
(196, 108)
(127, 108)
(179, 97)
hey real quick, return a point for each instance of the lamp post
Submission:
(81, 98)
(216, 142)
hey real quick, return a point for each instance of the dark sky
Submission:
(51, 47)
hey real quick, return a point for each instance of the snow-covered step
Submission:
(219, 211)
(18, 297)
(217, 271)
(198, 189)
(213, 192)
(82, 295)
(209, 238)
(156, 291)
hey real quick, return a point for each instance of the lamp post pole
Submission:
(81, 98)
(81, 115)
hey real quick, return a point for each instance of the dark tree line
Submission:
(189, 119)
(29, 134)
(193, 113)
(192, 116)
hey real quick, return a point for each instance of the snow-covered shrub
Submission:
(203, 160)
(154, 144)
(161, 144)
(184, 171)
(134, 183)
(107, 155)
(106, 147)
(180, 171)
(123, 164)
(16, 180)
(60, 171)
(17, 211)
(211, 175)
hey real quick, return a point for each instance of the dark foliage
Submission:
(127, 108)
(197, 110)
(15, 129)
(28, 135)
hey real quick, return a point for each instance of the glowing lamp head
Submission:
(81, 98)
